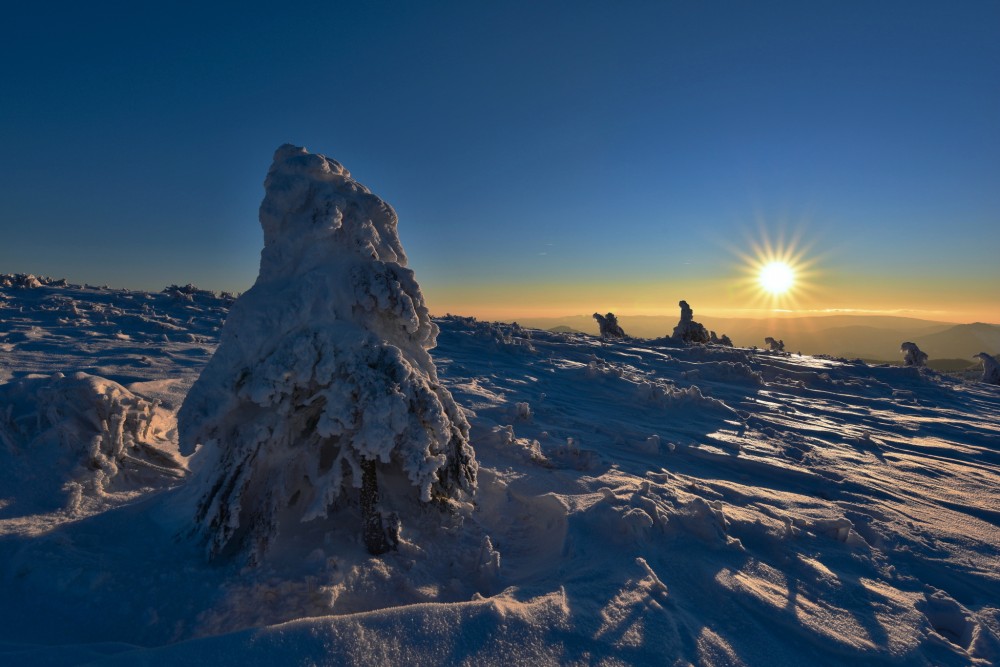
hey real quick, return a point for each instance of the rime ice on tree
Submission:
(322, 383)
(716, 340)
(608, 325)
(913, 355)
(774, 345)
(687, 329)
(991, 369)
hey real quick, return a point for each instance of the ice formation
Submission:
(774, 345)
(608, 325)
(991, 369)
(687, 329)
(322, 383)
(913, 355)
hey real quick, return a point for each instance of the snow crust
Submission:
(638, 502)
(636, 499)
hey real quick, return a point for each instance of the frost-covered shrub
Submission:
(102, 425)
(608, 325)
(23, 280)
(322, 383)
(187, 292)
(913, 355)
(716, 340)
(774, 345)
(687, 330)
(991, 369)
(501, 333)
(30, 281)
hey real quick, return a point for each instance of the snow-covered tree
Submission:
(608, 324)
(774, 345)
(719, 340)
(991, 369)
(913, 355)
(322, 386)
(687, 330)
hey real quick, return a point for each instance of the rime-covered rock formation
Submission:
(687, 330)
(774, 345)
(991, 369)
(608, 325)
(322, 390)
(913, 355)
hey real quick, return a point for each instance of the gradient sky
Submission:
(545, 158)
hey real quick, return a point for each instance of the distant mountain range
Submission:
(873, 337)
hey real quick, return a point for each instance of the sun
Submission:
(776, 277)
(777, 271)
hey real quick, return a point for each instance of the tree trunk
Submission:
(371, 518)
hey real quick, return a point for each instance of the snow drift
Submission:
(322, 383)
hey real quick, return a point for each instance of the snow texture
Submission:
(913, 355)
(322, 370)
(635, 500)
(687, 330)
(609, 327)
(97, 426)
(991, 368)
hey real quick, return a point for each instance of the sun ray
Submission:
(777, 272)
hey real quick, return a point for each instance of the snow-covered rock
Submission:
(322, 383)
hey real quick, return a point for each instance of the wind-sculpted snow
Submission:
(322, 379)
(638, 502)
(85, 434)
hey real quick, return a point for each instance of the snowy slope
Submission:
(638, 503)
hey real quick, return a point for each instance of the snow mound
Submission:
(322, 381)
(86, 430)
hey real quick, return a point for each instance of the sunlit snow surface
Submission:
(639, 503)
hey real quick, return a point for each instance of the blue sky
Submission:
(536, 153)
